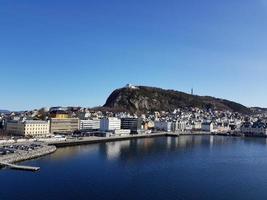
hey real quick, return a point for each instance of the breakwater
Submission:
(19, 156)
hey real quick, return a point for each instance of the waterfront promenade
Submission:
(94, 139)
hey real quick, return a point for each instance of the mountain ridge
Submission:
(145, 98)
(4, 111)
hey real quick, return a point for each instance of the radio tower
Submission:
(192, 91)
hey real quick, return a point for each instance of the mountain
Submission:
(143, 98)
(258, 110)
(4, 111)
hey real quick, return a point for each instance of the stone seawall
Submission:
(27, 155)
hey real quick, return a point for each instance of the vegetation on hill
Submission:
(157, 99)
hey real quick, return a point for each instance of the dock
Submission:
(20, 167)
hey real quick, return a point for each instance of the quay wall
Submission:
(93, 140)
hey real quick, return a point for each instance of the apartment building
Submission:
(64, 125)
(28, 128)
(134, 124)
(110, 124)
(90, 124)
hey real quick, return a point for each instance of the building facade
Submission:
(207, 127)
(254, 129)
(90, 124)
(110, 124)
(28, 128)
(64, 125)
(134, 124)
(59, 114)
(163, 126)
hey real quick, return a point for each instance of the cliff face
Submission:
(157, 99)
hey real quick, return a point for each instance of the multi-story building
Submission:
(254, 129)
(59, 114)
(178, 126)
(64, 126)
(90, 124)
(196, 125)
(110, 124)
(2, 126)
(31, 128)
(163, 126)
(61, 123)
(207, 126)
(134, 124)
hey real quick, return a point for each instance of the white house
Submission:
(207, 126)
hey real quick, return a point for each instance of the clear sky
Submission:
(62, 52)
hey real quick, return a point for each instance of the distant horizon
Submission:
(76, 53)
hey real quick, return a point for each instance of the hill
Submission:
(4, 111)
(143, 98)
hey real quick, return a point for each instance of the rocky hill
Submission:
(142, 98)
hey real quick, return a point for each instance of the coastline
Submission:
(23, 156)
(94, 140)
(51, 147)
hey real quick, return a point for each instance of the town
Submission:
(30, 134)
(57, 123)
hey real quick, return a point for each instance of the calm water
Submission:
(189, 167)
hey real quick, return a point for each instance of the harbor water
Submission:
(173, 168)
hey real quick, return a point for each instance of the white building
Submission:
(110, 124)
(130, 86)
(122, 132)
(32, 128)
(256, 129)
(196, 125)
(181, 126)
(207, 126)
(90, 124)
(163, 126)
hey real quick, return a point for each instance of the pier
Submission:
(20, 155)
(20, 167)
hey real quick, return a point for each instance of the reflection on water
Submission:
(67, 152)
(114, 149)
(186, 167)
(137, 149)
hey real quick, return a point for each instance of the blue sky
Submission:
(62, 52)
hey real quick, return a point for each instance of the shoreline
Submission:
(94, 140)
(51, 147)
(23, 156)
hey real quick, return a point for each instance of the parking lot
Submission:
(11, 149)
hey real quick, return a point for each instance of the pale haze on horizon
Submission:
(75, 53)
